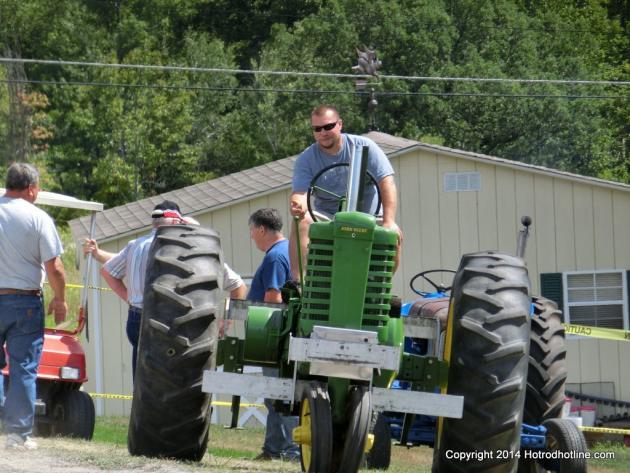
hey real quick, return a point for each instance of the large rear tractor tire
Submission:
(487, 345)
(547, 372)
(170, 415)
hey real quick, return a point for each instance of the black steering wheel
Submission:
(423, 275)
(339, 198)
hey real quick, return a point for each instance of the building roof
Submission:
(268, 178)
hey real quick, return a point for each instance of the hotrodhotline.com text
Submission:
(482, 455)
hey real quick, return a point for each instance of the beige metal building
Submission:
(450, 202)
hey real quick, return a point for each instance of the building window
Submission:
(596, 298)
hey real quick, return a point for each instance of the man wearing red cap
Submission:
(125, 272)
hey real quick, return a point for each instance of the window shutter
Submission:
(551, 288)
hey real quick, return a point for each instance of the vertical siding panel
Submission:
(506, 209)
(256, 255)
(430, 184)
(116, 348)
(525, 205)
(450, 252)
(589, 362)
(603, 228)
(565, 237)
(280, 202)
(544, 233)
(467, 203)
(623, 387)
(239, 237)
(608, 359)
(583, 227)
(205, 220)
(221, 222)
(398, 281)
(621, 228)
(573, 361)
(487, 211)
(621, 231)
(409, 220)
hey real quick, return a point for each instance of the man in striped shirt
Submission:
(125, 272)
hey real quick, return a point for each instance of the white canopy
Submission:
(60, 200)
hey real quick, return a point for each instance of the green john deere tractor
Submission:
(338, 345)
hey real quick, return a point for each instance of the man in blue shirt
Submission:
(332, 146)
(265, 229)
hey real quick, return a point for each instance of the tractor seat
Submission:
(435, 308)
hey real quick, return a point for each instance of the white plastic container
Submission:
(566, 408)
(588, 415)
(576, 420)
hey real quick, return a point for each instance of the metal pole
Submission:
(355, 178)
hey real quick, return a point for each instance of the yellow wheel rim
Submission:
(302, 434)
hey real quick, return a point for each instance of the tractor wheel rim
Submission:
(305, 423)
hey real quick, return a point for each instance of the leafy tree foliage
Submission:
(118, 134)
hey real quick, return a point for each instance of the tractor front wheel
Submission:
(379, 456)
(314, 434)
(351, 453)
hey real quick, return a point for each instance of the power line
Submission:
(310, 91)
(307, 74)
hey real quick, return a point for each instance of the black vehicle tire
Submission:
(73, 415)
(355, 436)
(547, 372)
(379, 457)
(562, 435)
(489, 334)
(170, 415)
(315, 415)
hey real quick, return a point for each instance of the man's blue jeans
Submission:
(134, 318)
(279, 429)
(22, 328)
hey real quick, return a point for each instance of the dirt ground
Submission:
(75, 456)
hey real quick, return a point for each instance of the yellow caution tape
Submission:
(80, 286)
(111, 396)
(214, 403)
(597, 332)
(605, 430)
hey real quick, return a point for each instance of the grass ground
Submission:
(233, 450)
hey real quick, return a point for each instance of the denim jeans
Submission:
(22, 328)
(279, 429)
(134, 317)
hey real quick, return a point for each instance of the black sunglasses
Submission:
(327, 127)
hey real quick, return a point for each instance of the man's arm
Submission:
(90, 246)
(389, 197)
(239, 293)
(57, 280)
(116, 284)
(273, 295)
